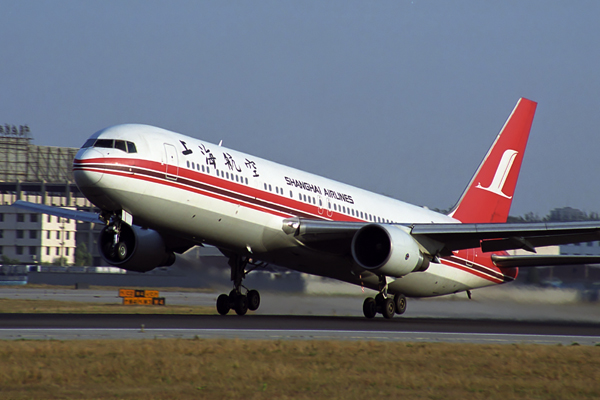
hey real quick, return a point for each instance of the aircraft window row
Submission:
(127, 147)
(357, 213)
(222, 174)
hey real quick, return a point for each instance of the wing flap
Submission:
(496, 237)
(542, 260)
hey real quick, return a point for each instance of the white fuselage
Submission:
(205, 193)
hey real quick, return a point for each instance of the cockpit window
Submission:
(131, 147)
(106, 143)
(88, 143)
(120, 144)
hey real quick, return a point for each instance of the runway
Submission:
(279, 327)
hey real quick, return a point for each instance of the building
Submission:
(33, 238)
(40, 174)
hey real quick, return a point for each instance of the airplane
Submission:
(161, 193)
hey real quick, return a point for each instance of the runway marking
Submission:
(280, 334)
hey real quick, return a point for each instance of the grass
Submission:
(72, 307)
(234, 369)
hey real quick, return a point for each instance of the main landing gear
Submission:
(236, 300)
(384, 305)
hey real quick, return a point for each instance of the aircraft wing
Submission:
(542, 260)
(442, 239)
(59, 211)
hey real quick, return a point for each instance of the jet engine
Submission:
(138, 249)
(387, 250)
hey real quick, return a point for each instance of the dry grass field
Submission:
(234, 369)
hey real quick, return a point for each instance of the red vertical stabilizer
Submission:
(489, 194)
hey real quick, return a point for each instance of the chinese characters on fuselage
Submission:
(229, 162)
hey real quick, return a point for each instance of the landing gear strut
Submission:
(114, 247)
(383, 304)
(236, 300)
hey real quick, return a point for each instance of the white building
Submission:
(36, 238)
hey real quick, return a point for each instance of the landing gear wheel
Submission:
(400, 303)
(253, 300)
(388, 309)
(223, 304)
(370, 308)
(121, 249)
(241, 305)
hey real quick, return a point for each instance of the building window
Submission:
(58, 235)
(1, 234)
(49, 218)
(20, 250)
(47, 251)
(58, 251)
(33, 217)
(32, 234)
(66, 251)
(1, 250)
(32, 250)
(19, 234)
(48, 235)
(1, 217)
(20, 217)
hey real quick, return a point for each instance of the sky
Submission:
(398, 97)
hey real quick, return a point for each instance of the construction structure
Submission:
(40, 174)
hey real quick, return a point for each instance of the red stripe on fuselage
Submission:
(240, 194)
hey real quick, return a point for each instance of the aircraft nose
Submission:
(87, 167)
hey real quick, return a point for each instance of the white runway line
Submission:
(280, 334)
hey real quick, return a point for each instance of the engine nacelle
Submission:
(139, 249)
(387, 250)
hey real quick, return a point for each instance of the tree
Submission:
(9, 261)
(83, 258)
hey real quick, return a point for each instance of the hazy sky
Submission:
(398, 97)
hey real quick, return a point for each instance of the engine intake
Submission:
(388, 250)
(138, 250)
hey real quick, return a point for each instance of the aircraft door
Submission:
(470, 257)
(171, 164)
(320, 200)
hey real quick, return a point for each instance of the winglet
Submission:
(489, 194)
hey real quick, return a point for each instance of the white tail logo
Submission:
(501, 173)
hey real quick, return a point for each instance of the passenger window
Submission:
(188, 164)
(88, 143)
(105, 143)
(270, 190)
(120, 144)
(131, 147)
(246, 181)
(193, 165)
(291, 194)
